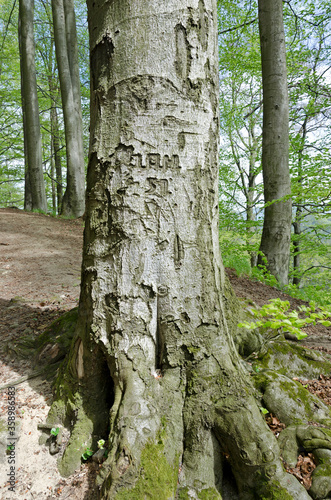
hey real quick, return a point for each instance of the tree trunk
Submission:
(297, 224)
(57, 158)
(35, 196)
(153, 368)
(53, 183)
(250, 218)
(73, 203)
(55, 142)
(296, 245)
(276, 235)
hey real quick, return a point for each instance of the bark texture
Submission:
(35, 194)
(155, 368)
(276, 235)
(55, 144)
(73, 202)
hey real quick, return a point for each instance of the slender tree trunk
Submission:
(57, 158)
(250, 217)
(53, 183)
(276, 235)
(73, 203)
(153, 368)
(297, 225)
(250, 200)
(35, 196)
(296, 244)
(55, 143)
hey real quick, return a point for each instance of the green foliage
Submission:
(11, 123)
(101, 444)
(262, 274)
(55, 431)
(87, 454)
(11, 145)
(234, 252)
(307, 25)
(277, 316)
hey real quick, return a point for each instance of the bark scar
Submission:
(179, 251)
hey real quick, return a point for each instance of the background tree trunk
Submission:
(55, 142)
(35, 196)
(276, 235)
(155, 368)
(73, 202)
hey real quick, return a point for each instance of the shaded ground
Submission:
(40, 259)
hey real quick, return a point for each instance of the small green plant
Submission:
(264, 410)
(262, 274)
(277, 316)
(87, 454)
(55, 431)
(101, 444)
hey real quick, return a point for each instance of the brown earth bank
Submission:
(40, 259)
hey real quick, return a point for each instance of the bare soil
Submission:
(40, 260)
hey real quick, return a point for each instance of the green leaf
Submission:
(325, 322)
(301, 335)
(55, 431)
(264, 410)
(101, 443)
(87, 454)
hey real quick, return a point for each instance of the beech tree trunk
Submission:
(35, 194)
(276, 235)
(55, 143)
(153, 369)
(73, 202)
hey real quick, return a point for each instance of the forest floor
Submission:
(40, 259)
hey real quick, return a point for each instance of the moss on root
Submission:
(292, 360)
(80, 439)
(209, 494)
(157, 479)
(289, 400)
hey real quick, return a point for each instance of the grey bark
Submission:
(297, 248)
(35, 195)
(276, 235)
(55, 143)
(53, 184)
(73, 203)
(155, 368)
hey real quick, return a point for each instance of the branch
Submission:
(12, 180)
(54, 180)
(253, 110)
(6, 29)
(246, 23)
(312, 267)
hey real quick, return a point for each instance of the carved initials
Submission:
(153, 160)
(157, 186)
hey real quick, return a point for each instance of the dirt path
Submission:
(40, 259)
